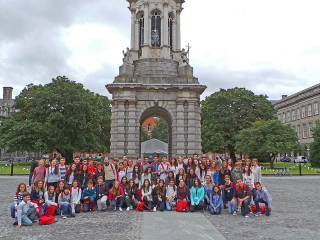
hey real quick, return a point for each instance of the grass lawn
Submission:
(17, 170)
(293, 168)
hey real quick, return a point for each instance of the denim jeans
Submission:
(245, 209)
(170, 205)
(232, 206)
(102, 203)
(215, 211)
(196, 207)
(89, 205)
(116, 203)
(65, 209)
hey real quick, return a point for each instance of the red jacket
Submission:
(112, 197)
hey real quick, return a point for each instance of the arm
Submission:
(79, 196)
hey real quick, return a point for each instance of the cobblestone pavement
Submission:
(87, 226)
(295, 215)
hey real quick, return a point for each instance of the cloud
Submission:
(262, 46)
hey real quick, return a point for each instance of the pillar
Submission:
(178, 31)
(165, 24)
(133, 28)
(146, 24)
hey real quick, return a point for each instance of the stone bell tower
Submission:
(155, 79)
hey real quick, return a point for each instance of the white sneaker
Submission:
(120, 209)
(128, 209)
(115, 209)
(246, 216)
(234, 213)
(64, 217)
(154, 209)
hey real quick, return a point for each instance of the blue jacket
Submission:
(216, 178)
(89, 193)
(197, 195)
(215, 200)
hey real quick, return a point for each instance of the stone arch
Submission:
(157, 110)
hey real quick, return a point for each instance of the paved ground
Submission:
(295, 216)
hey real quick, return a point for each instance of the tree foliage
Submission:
(266, 139)
(160, 132)
(227, 112)
(61, 115)
(315, 147)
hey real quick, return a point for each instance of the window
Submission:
(140, 17)
(310, 129)
(303, 112)
(305, 131)
(298, 131)
(283, 117)
(170, 30)
(293, 115)
(298, 114)
(316, 109)
(309, 110)
(288, 118)
(155, 28)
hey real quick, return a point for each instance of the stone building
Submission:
(301, 112)
(155, 79)
(6, 103)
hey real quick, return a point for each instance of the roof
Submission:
(154, 146)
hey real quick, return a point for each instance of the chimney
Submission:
(284, 96)
(7, 93)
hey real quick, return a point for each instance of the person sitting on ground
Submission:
(159, 196)
(18, 197)
(261, 195)
(243, 194)
(64, 201)
(196, 196)
(215, 201)
(26, 211)
(171, 195)
(50, 200)
(183, 197)
(89, 197)
(146, 192)
(208, 186)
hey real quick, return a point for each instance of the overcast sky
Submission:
(269, 46)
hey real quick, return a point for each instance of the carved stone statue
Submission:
(185, 56)
(127, 56)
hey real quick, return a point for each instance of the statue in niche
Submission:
(185, 56)
(155, 38)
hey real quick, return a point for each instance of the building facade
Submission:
(301, 112)
(155, 79)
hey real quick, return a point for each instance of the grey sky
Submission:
(271, 47)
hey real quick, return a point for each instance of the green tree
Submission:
(227, 112)
(160, 132)
(266, 139)
(61, 115)
(315, 147)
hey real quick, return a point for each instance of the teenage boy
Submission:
(261, 195)
(243, 195)
(229, 195)
(26, 211)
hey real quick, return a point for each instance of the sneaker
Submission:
(154, 209)
(257, 214)
(120, 209)
(234, 213)
(64, 217)
(246, 216)
(115, 209)
(15, 223)
(128, 208)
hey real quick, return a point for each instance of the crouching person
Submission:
(26, 211)
(261, 195)
(50, 206)
(64, 201)
(243, 195)
(75, 198)
(89, 197)
(116, 196)
(171, 195)
(196, 196)
(215, 201)
(132, 197)
(229, 195)
(102, 191)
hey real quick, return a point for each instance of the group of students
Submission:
(181, 184)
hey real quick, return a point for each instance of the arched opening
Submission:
(156, 28)
(170, 29)
(155, 133)
(140, 18)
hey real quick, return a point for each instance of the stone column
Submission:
(132, 131)
(133, 32)
(178, 31)
(146, 24)
(165, 24)
(174, 34)
(118, 136)
(180, 129)
(194, 127)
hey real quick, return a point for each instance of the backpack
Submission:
(46, 220)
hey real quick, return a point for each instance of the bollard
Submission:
(300, 173)
(11, 174)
